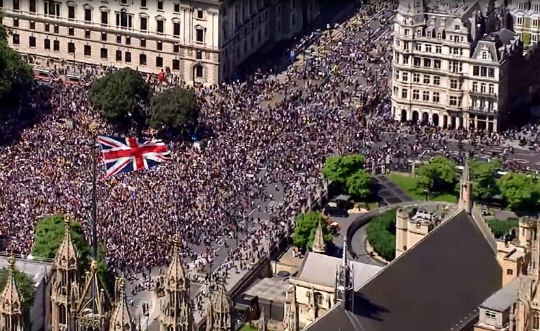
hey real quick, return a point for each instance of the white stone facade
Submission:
(201, 41)
(440, 76)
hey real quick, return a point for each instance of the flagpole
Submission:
(94, 192)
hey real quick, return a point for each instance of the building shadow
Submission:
(365, 308)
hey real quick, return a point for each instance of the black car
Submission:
(335, 211)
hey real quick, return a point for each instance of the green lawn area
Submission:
(408, 184)
(246, 327)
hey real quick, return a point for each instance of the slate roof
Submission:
(429, 288)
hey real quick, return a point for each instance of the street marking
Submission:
(521, 161)
(537, 163)
(252, 212)
(272, 204)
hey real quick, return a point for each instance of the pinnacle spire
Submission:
(11, 298)
(175, 276)
(121, 319)
(263, 322)
(319, 246)
(66, 255)
(466, 171)
(344, 252)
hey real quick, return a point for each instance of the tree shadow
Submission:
(364, 307)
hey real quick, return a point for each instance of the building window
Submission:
(71, 31)
(118, 39)
(127, 57)
(56, 29)
(176, 64)
(159, 62)
(104, 18)
(71, 48)
(87, 50)
(16, 5)
(200, 14)
(176, 29)
(404, 93)
(143, 42)
(104, 53)
(519, 21)
(87, 34)
(198, 55)
(475, 87)
(47, 27)
(176, 7)
(416, 78)
(128, 40)
(118, 55)
(491, 73)
(143, 3)
(160, 5)
(32, 6)
(416, 94)
(453, 101)
(32, 41)
(32, 25)
(56, 45)
(536, 321)
(453, 84)
(428, 48)
(417, 61)
(104, 36)
(436, 80)
(88, 14)
(483, 88)
(199, 71)
(484, 55)
(490, 315)
(47, 44)
(144, 23)
(176, 48)
(476, 71)
(436, 97)
(160, 26)
(142, 59)
(509, 272)
(159, 46)
(427, 63)
(491, 89)
(406, 32)
(425, 96)
(437, 64)
(71, 12)
(16, 22)
(200, 35)
(418, 47)
(438, 49)
(405, 77)
(16, 39)
(124, 20)
(427, 79)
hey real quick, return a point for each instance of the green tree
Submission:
(15, 75)
(306, 225)
(520, 191)
(358, 184)
(175, 109)
(339, 168)
(24, 283)
(501, 228)
(484, 177)
(121, 96)
(381, 234)
(49, 233)
(438, 175)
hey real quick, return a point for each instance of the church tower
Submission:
(319, 246)
(219, 316)
(176, 310)
(94, 304)
(465, 192)
(121, 319)
(11, 300)
(345, 280)
(291, 320)
(65, 285)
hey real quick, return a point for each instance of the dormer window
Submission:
(456, 28)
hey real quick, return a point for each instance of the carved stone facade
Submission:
(11, 300)
(219, 314)
(319, 245)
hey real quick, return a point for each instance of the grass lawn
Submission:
(408, 184)
(246, 327)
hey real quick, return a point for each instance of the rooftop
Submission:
(271, 289)
(433, 286)
(450, 7)
(321, 269)
(504, 298)
(36, 270)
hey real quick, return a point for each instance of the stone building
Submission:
(457, 64)
(11, 303)
(199, 40)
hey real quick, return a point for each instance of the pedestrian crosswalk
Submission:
(274, 204)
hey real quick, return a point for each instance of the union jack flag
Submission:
(122, 155)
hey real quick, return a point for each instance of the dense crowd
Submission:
(48, 169)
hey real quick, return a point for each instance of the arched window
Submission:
(536, 320)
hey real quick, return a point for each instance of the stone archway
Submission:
(415, 116)
(425, 118)
(198, 72)
(435, 119)
(404, 115)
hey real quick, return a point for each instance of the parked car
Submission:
(332, 209)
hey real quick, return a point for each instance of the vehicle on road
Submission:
(332, 209)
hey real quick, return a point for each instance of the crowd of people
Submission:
(48, 169)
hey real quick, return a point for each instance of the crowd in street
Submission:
(48, 169)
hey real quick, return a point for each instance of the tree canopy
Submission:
(24, 283)
(121, 96)
(520, 191)
(339, 168)
(306, 226)
(175, 109)
(501, 228)
(438, 175)
(484, 177)
(358, 184)
(381, 234)
(15, 75)
(49, 233)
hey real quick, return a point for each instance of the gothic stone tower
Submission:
(176, 310)
(290, 320)
(345, 280)
(121, 319)
(65, 284)
(219, 315)
(319, 246)
(465, 193)
(11, 314)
